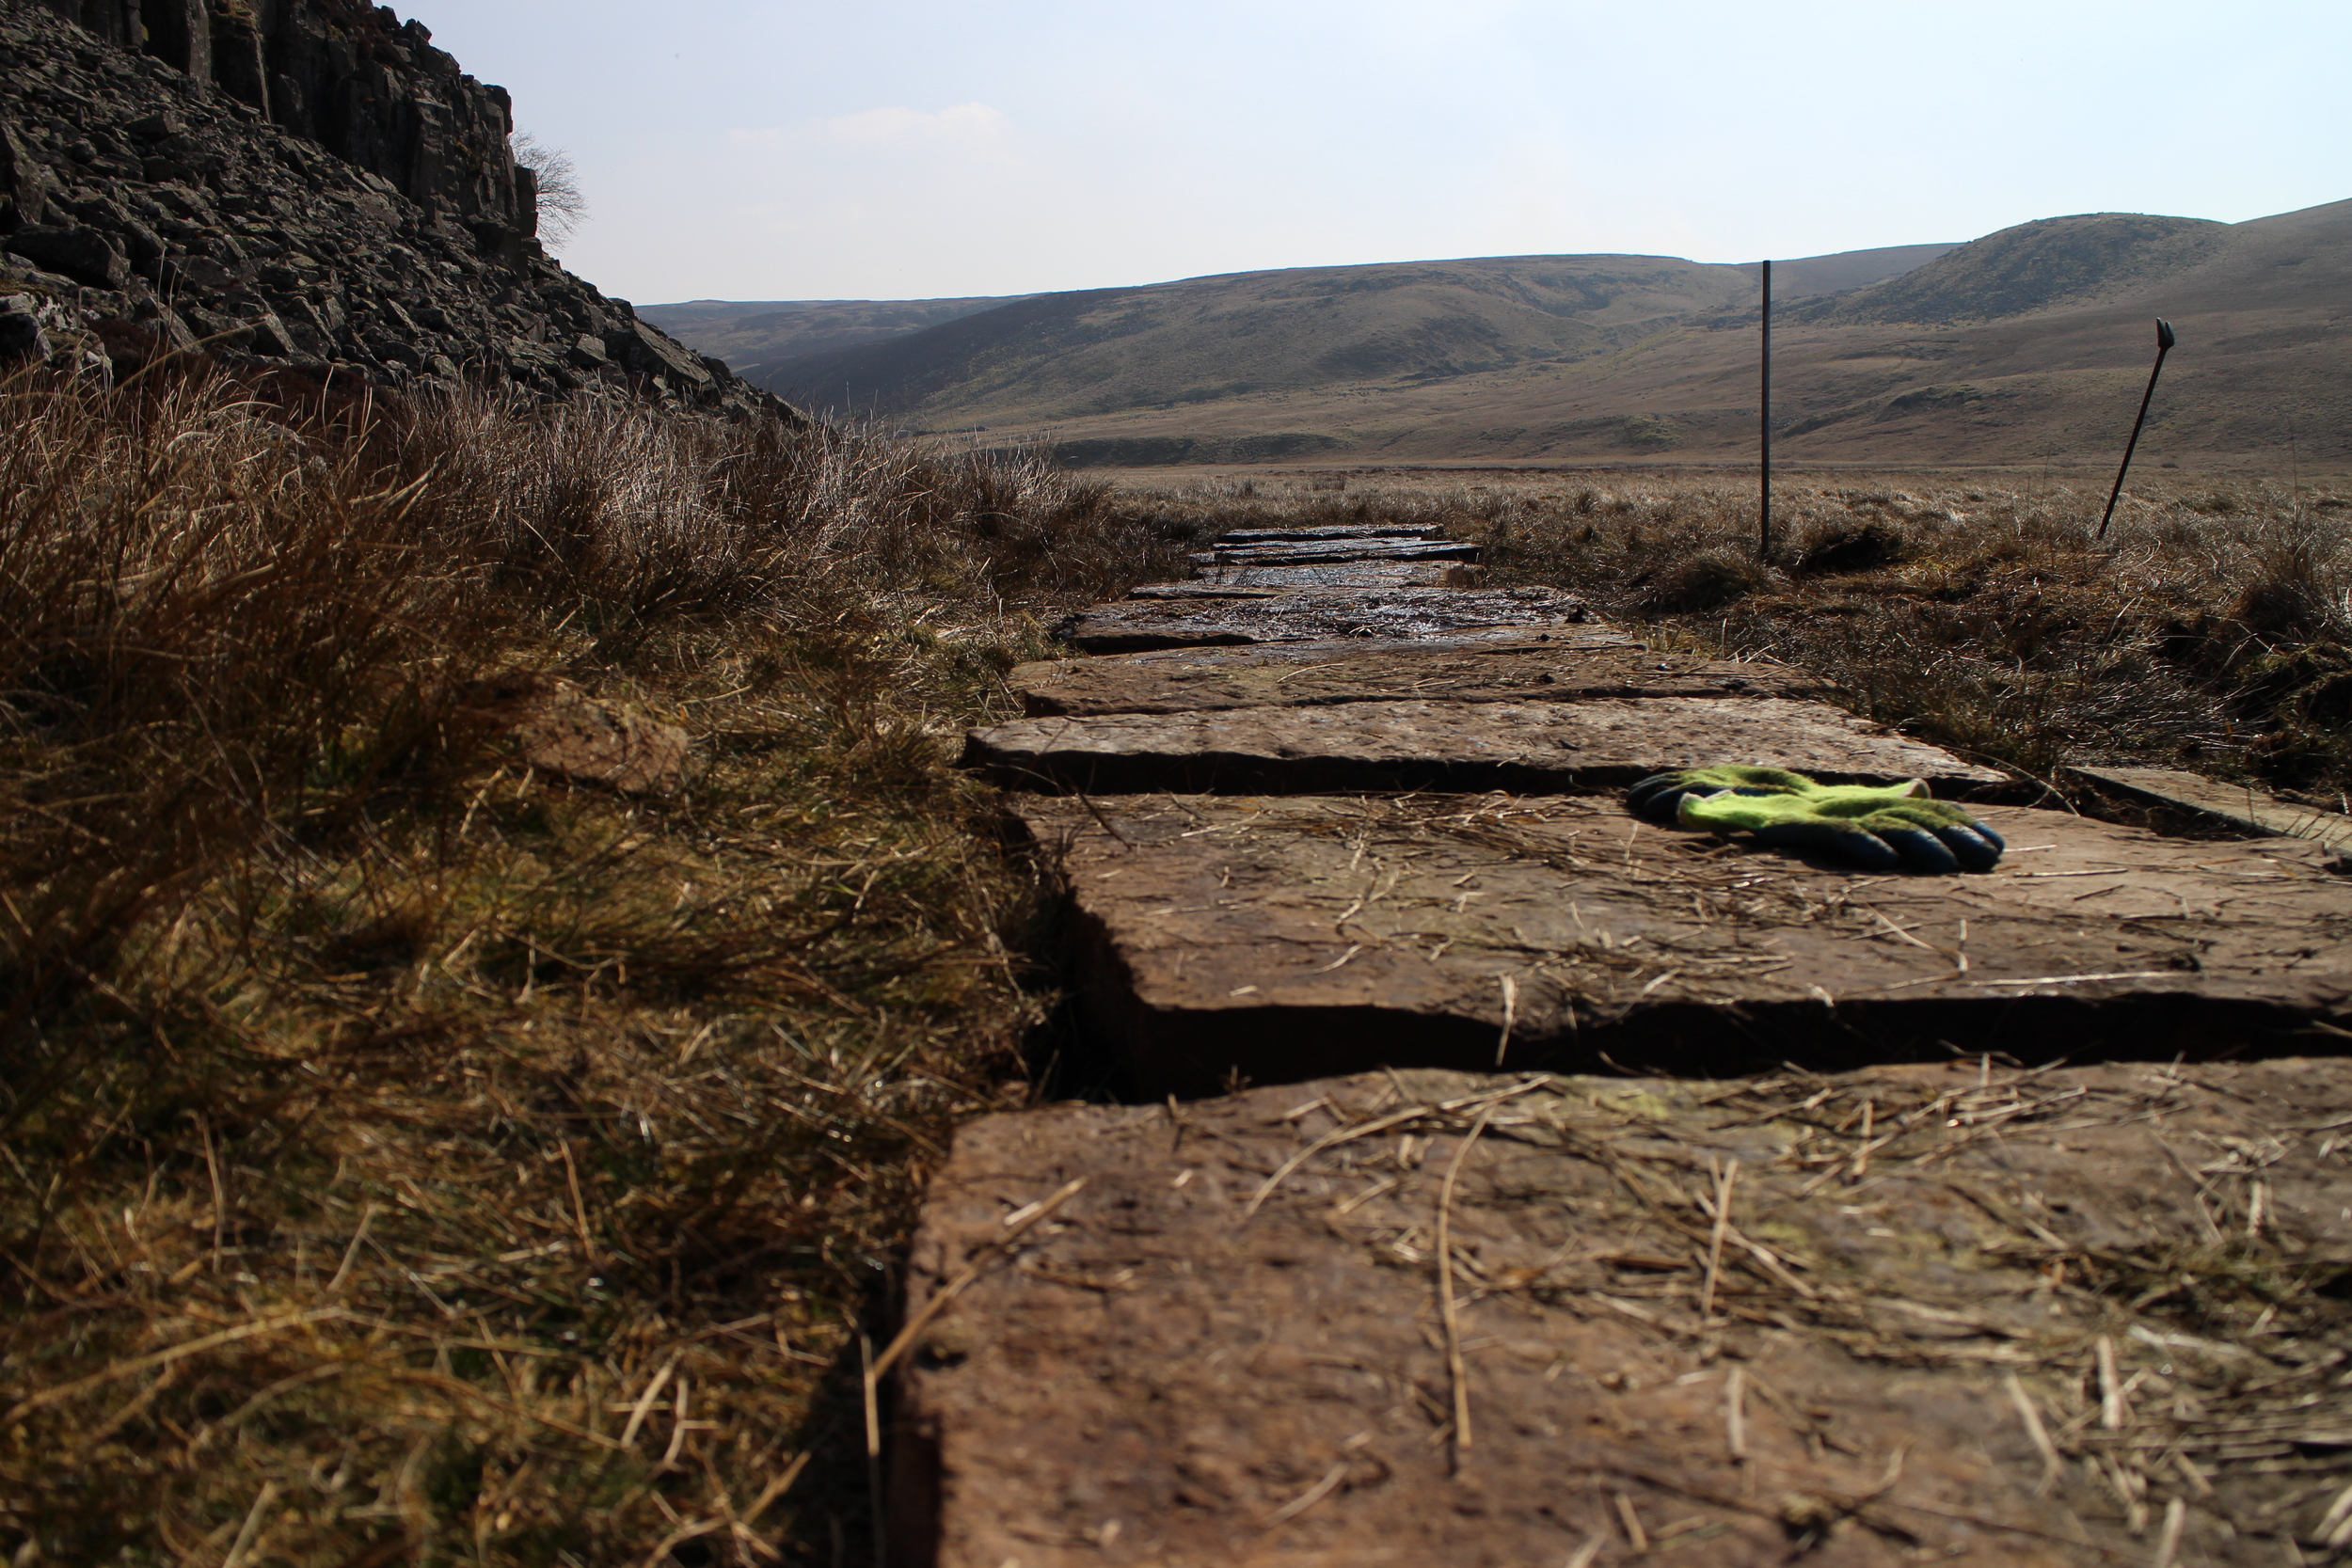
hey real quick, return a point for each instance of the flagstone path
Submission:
(1505, 1180)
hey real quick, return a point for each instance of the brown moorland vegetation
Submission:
(408, 1156)
(2210, 630)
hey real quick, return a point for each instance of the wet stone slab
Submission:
(1290, 938)
(1332, 530)
(1573, 665)
(1413, 614)
(1533, 748)
(1224, 581)
(1948, 1313)
(1308, 551)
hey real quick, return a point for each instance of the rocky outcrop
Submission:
(304, 183)
(353, 78)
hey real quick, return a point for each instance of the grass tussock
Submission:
(406, 1156)
(2210, 630)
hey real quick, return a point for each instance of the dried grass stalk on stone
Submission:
(2122, 1282)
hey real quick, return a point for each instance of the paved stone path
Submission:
(1223, 618)
(1507, 1180)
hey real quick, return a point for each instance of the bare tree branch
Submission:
(562, 208)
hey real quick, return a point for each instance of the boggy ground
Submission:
(2210, 630)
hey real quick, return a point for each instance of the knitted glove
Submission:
(1876, 834)
(1660, 796)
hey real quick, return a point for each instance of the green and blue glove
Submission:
(1878, 827)
(1660, 796)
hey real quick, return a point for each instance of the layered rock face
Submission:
(303, 182)
(351, 78)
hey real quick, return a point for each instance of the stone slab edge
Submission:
(2242, 806)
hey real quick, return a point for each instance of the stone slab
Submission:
(1308, 552)
(557, 728)
(2240, 806)
(1286, 938)
(1533, 748)
(1242, 581)
(1575, 665)
(1331, 531)
(1910, 1259)
(1415, 613)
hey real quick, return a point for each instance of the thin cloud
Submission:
(965, 127)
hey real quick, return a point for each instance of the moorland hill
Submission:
(2024, 344)
(2033, 266)
(1101, 351)
(763, 340)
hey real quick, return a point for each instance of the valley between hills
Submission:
(2023, 346)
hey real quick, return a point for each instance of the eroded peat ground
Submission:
(1481, 1175)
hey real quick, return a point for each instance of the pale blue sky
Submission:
(909, 148)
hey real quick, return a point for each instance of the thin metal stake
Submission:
(2164, 346)
(1764, 510)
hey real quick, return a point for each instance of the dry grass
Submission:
(408, 1157)
(2210, 630)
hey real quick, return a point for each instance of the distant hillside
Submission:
(2033, 266)
(2034, 342)
(1847, 269)
(2028, 344)
(1254, 336)
(764, 339)
(769, 339)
